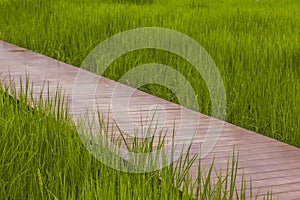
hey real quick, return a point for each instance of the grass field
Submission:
(255, 44)
(42, 157)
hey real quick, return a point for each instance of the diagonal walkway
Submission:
(269, 163)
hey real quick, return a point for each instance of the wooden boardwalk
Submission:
(270, 164)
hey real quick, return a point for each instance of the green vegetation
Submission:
(42, 157)
(254, 43)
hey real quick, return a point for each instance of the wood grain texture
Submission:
(270, 164)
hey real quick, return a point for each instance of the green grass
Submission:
(255, 45)
(42, 157)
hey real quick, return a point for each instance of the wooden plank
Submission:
(271, 164)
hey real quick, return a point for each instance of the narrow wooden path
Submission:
(270, 164)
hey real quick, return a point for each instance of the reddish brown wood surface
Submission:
(270, 164)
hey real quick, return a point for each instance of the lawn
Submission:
(254, 43)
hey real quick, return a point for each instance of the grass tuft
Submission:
(43, 157)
